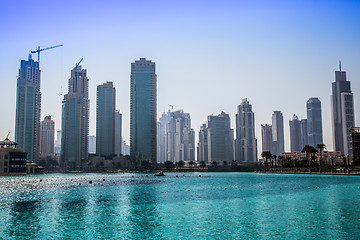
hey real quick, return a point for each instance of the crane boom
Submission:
(43, 49)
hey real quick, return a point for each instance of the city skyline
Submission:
(209, 48)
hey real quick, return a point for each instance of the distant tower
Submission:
(118, 132)
(47, 137)
(314, 121)
(143, 112)
(295, 134)
(75, 120)
(342, 105)
(105, 120)
(304, 133)
(245, 143)
(28, 109)
(203, 145)
(277, 133)
(220, 138)
(266, 136)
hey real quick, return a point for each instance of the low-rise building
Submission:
(12, 160)
(328, 156)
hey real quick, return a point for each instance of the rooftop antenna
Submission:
(79, 62)
(340, 65)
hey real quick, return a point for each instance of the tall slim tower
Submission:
(314, 121)
(277, 133)
(342, 106)
(118, 132)
(143, 111)
(266, 137)
(75, 120)
(105, 120)
(47, 137)
(203, 145)
(28, 108)
(245, 143)
(295, 134)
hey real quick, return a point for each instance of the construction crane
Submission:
(43, 49)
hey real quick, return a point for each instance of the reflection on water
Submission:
(213, 206)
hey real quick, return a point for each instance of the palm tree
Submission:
(309, 150)
(234, 162)
(224, 163)
(321, 148)
(281, 158)
(191, 163)
(202, 164)
(267, 155)
(214, 163)
(274, 157)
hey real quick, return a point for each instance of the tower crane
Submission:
(43, 49)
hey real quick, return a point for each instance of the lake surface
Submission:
(180, 206)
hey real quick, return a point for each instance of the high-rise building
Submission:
(342, 105)
(220, 138)
(47, 137)
(245, 143)
(118, 133)
(58, 142)
(28, 108)
(176, 137)
(266, 137)
(295, 134)
(75, 120)
(143, 112)
(202, 154)
(277, 133)
(162, 130)
(105, 120)
(303, 133)
(92, 144)
(314, 121)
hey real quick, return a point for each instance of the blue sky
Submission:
(209, 54)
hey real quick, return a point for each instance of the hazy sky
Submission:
(209, 54)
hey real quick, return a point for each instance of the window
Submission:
(5, 170)
(6, 156)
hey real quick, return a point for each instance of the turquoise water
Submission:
(210, 206)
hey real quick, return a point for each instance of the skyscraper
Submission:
(304, 133)
(143, 112)
(47, 137)
(266, 137)
(162, 130)
(342, 106)
(314, 121)
(245, 143)
(277, 133)
(220, 138)
(203, 145)
(28, 108)
(105, 120)
(295, 134)
(75, 120)
(118, 133)
(176, 137)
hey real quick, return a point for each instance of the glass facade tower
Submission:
(314, 121)
(105, 120)
(28, 109)
(75, 121)
(342, 105)
(143, 112)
